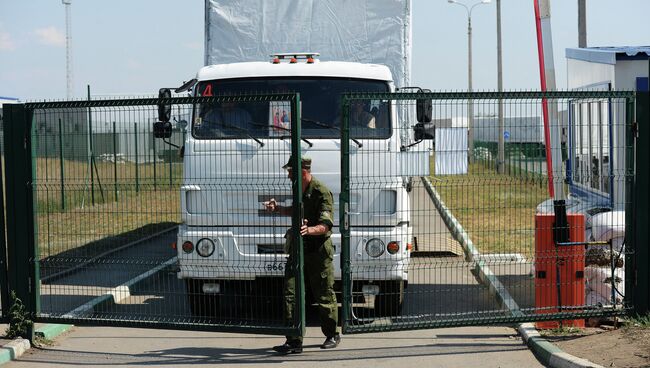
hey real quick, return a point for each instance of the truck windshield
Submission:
(321, 109)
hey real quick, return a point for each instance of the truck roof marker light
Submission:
(276, 60)
(310, 60)
(293, 60)
(188, 247)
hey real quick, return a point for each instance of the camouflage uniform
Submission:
(318, 257)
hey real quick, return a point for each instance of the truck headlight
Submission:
(375, 247)
(205, 247)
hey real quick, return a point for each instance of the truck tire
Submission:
(201, 305)
(390, 299)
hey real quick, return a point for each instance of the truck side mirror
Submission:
(164, 109)
(424, 131)
(424, 110)
(163, 128)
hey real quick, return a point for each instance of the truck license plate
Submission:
(274, 266)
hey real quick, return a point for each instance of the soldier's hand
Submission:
(271, 205)
(304, 229)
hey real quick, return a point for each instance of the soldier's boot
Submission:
(289, 347)
(331, 342)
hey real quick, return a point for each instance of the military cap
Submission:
(305, 163)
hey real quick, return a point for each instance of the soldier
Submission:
(316, 230)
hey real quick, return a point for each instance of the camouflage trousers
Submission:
(319, 278)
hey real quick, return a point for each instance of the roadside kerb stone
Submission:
(548, 353)
(14, 349)
(51, 331)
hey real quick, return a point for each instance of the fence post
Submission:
(115, 161)
(4, 282)
(90, 152)
(638, 255)
(62, 168)
(137, 161)
(297, 215)
(344, 225)
(23, 273)
(154, 162)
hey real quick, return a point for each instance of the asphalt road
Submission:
(120, 347)
(439, 287)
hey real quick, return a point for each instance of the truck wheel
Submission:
(201, 304)
(390, 299)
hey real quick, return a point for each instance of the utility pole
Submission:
(470, 102)
(582, 23)
(501, 157)
(68, 48)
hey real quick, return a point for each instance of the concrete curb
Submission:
(51, 331)
(17, 347)
(13, 349)
(548, 353)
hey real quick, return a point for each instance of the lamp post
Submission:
(501, 155)
(470, 103)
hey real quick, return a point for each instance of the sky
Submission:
(123, 47)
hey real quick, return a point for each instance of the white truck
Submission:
(226, 238)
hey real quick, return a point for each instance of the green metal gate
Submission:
(95, 206)
(437, 228)
(466, 239)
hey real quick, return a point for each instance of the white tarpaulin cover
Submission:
(367, 31)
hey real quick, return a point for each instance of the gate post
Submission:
(344, 223)
(4, 283)
(638, 256)
(21, 229)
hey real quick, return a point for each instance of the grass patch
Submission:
(64, 231)
(563, 332)
(497, 211)
(132, 202)
(58, 190)
(642, 322)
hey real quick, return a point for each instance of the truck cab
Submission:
(233, 162)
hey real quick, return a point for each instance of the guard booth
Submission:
(596, 154)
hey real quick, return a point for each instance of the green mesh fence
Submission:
(437, 219)
(449, 217)
(133, 230)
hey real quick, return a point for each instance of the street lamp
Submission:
(470, 104)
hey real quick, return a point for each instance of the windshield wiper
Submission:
(227, 125)
(316, 122)
(286, 130)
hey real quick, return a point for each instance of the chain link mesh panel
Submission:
(138, 230)
(448, 215)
